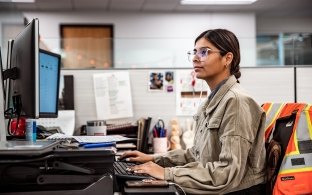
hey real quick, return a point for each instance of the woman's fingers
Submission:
(129, 154)
(150, 168)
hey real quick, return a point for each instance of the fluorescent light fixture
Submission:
(216, 2)
(17, 1)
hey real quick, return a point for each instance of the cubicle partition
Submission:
(265, 84)
(272, 84)
(304, 84)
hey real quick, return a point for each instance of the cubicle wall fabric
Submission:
(265, 84)
(289, 125)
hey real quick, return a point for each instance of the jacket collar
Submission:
(213, 103)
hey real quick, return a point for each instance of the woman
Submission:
(228, 155)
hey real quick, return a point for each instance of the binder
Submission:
(144, 142)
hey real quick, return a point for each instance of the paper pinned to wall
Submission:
(188, 90)
(113, 98)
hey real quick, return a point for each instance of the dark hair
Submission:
(226, 42)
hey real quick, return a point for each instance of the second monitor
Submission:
(49, 72)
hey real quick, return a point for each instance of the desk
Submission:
(55, 170)
(124, 190)
(170, 190)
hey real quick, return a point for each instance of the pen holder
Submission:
(160, 145)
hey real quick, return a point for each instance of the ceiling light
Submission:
(17, 1)
(216, 2)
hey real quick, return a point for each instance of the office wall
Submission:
(272, 84)
(11, 19)
(304, 84)
(154, 39)
(264, 84)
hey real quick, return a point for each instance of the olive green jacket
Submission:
(228, 153)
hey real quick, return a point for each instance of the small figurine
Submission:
(188, 135)
(175, 135)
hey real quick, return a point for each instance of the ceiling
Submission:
(261, 7)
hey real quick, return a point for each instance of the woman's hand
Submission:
(150, 168)
(136, 156)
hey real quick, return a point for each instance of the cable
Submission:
(9, 114)
(172, 183)
(201, 92)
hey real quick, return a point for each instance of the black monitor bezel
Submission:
(51, 114)
(1, 69)
(26, 85)
(6, 82)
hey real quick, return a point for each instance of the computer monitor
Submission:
(2, 121)
(23, 76)
(25, 71)
(6, 88)
(50, 64)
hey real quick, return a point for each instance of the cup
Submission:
(97, 128)
(160, 145)
(31, 130)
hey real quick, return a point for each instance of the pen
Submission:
(155, 134)
(98, 145)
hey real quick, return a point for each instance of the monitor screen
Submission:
(25, 62)
(49, 83)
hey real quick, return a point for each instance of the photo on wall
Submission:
(156, 81)
(169, 81)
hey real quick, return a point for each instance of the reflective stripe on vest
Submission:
(308, 115)
(296, 163)
(272, 113)
(292, 147)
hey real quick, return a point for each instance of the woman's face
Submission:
(211, 66)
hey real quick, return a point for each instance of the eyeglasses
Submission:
(201, 53)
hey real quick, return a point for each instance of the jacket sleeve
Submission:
(222, 176)
(175, 158)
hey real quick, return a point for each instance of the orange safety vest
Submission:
(295, 172)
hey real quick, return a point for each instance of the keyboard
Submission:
(120, 169)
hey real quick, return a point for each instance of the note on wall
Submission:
(113, 95)
(190, 91)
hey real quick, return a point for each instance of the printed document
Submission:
(113, 95)
(89, 139)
